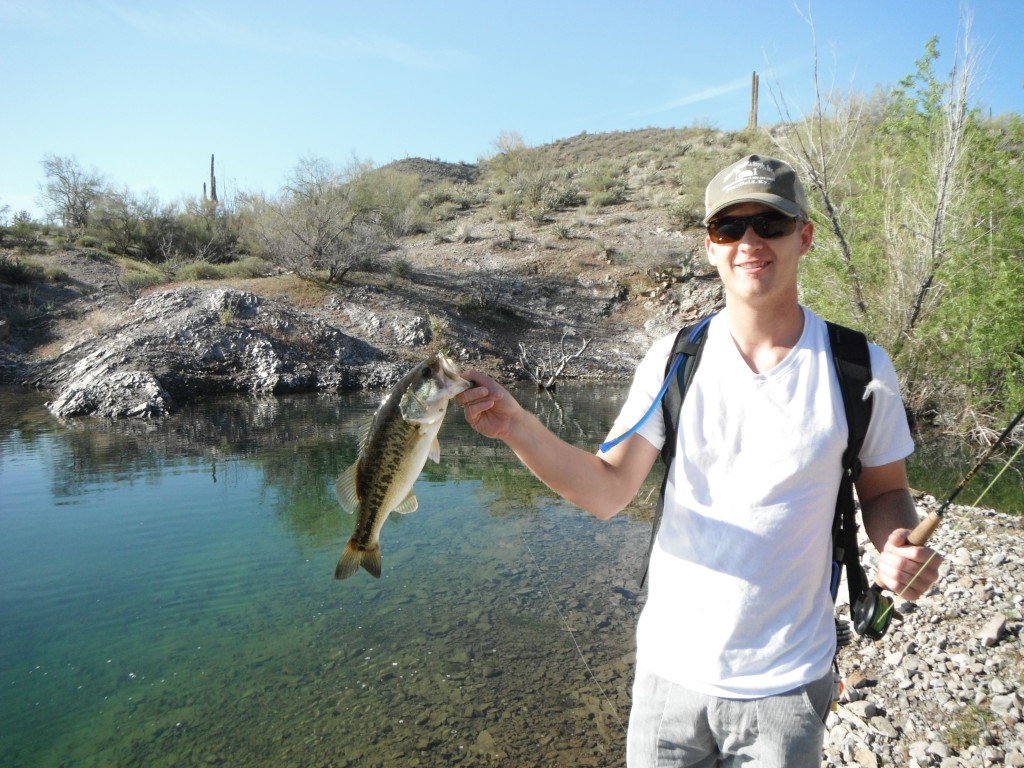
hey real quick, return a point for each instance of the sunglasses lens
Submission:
(766, 225)
(773, 226)
(727, 230)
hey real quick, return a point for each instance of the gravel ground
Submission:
(942, 688)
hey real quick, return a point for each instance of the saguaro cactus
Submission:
(752, 119)
(213, 183)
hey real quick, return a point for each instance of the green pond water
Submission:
(168, 596)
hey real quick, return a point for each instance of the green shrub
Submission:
(250, 266)
(55, 275)
(445, 211)
(511, 241)
(685, 215)
(457, 195)
(23, 234)
(133, 282)
(463, 233)
(15, 271)
(613, 196)
(203, 231)
(606, 185)
(401, 267)
(965, 729)
(199, 270)
(509, 205)
(440, 332)
(561, 198)
(386, 198)
(533, 185)
(539, 214)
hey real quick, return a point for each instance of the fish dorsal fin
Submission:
(409, 504)
(345, 489)
(435, 451)
(364, 433)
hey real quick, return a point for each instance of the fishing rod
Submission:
(927, 527)
(874, 610)
(999, 474)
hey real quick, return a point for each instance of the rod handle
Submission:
(924, 530)
(919, 536)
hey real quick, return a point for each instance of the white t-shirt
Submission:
(738, 602)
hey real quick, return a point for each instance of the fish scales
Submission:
(402, 436)
(386, 453)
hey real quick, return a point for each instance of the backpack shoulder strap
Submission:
(689, 344)
(852, 360)
(853, 366)
(687, 348)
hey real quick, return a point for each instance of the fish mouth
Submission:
(451, 373)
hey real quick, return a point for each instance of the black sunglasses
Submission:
(730, 229)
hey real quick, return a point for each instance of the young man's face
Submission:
(759, 270)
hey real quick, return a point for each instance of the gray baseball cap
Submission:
(756, 179)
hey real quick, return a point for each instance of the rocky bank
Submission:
(109, 353)
(171, 346)
(943, 686)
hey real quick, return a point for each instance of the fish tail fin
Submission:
(353, 557)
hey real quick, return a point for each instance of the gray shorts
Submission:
(672, 727)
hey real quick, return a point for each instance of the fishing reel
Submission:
(872, 613)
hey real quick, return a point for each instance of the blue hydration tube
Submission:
(657, 401)
(664, 388)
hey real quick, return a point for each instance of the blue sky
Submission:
(143, 92)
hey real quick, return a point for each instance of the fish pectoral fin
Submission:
(345, 490)
(435, 451)
(409, 504)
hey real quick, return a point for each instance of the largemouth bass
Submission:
(400, 439)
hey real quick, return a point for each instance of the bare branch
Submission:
(820, 147)
(544, 373)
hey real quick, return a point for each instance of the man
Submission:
(736, 639)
